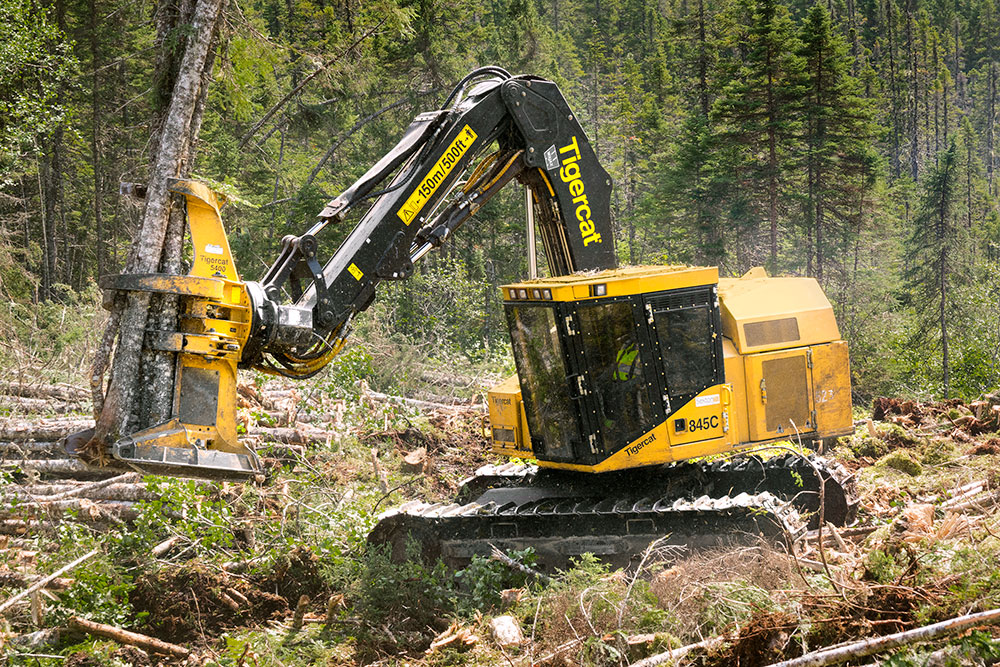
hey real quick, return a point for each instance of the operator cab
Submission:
(604, 358)
(646, 365)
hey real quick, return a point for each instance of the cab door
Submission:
(780, 394)
(686, 344)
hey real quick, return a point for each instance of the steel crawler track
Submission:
(616, 516)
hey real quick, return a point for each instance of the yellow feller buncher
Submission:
(624, 375)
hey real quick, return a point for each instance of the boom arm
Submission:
(539, 142)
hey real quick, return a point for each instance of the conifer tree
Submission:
(838, 129)
(934, 254)
(760, 108)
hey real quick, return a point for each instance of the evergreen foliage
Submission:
(807, 137)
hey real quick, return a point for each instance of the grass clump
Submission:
(936, 452)
(591, 599)
(902, 460)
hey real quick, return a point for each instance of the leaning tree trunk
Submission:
(151, 251)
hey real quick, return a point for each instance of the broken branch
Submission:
(128, 637)
(42, 583)
(865, 647)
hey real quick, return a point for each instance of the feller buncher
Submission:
(624, 375)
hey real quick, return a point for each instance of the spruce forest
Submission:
(850, 141)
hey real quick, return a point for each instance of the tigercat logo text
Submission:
(569, 172)
(634, 449)
(415, 202)
(500, 402)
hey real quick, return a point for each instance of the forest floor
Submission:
(277, 572)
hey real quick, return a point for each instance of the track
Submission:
(616, 516)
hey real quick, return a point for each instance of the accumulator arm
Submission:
(539, 142)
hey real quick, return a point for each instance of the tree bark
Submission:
(118, 414)
(990, 117)
(95, 131)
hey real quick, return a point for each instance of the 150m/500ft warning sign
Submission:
(415, 202)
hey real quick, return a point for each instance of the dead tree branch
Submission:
(127, 637)
(874, 645)
(42, 583)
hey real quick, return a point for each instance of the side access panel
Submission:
(779, 394)
(831, 374)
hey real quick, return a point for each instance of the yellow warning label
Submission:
(355, 271)
(459, 147)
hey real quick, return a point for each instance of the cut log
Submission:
(127, 637)
(423, 406)
(45, 493)
(21, 405)
(415, 460)
(30, 448)
(291, 436)
(86, 510)
(65, 392)
(66, 467)
(47, 430)
(34, 526)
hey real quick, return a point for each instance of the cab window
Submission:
(541, 367)
(616, 372)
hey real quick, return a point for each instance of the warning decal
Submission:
(429, 185)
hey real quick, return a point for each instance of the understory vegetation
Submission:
(243, 559)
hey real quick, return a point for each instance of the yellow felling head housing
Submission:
(760, 313)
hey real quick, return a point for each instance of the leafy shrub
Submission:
(484, 579)
(99, 592)
(410, 597)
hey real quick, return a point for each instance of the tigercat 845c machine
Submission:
(629, 373)
(623, 374)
